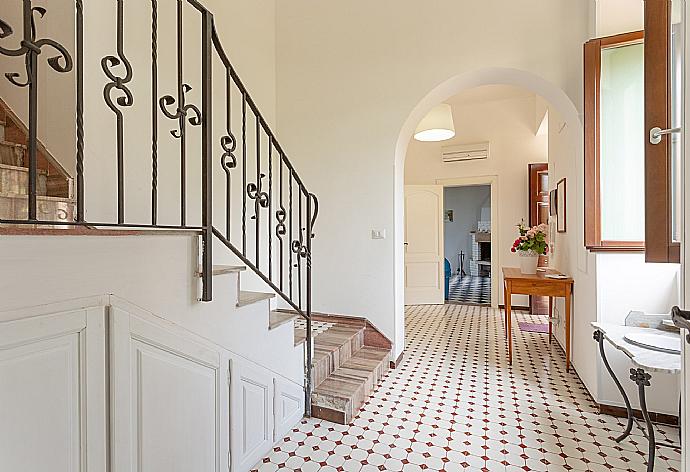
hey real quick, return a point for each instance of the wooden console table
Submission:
(517, 283)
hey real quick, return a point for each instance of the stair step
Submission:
(340, 396)
(333, 348)
(14, 180)
(11, 153)
(300, 336)
(279, 318)
(16, 207)
(247, 298)
(223, 269)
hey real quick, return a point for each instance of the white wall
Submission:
(156, 273)
(570, 256)
(254, 60)
(468, 204)
(509, 126)
(607, 286)
(351, 73)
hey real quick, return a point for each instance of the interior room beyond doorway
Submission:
(467, 244)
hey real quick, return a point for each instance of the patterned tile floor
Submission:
(454, 404)
(470, 290)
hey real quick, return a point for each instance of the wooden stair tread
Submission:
(278, 318)
(247, 297)
(223, 269)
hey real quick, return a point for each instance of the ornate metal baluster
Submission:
(270, 207)
(298, 247)
(80, 108)
(301, 247)
(154, 112)
(30, 48)
(310, 222)
(126, 99)
(184, 113)
(290, 234)
(260, 197)
(228, 161)
(281, 216)
(206, 154)
(244, 173)
(180, 99)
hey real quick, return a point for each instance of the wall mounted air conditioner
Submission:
(465, 152)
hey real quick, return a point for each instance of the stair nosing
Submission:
(285, 318)
(222, 270)
(255, 298)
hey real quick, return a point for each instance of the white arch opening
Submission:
(553, 94)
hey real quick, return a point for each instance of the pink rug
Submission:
(533, 327)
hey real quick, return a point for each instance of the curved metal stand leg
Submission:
(641, 378)
(599, 337)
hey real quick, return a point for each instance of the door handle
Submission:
(655, 134)
(681, 318)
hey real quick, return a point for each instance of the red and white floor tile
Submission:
(455, 405)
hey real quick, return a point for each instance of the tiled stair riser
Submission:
(349, 387)
(11, 154)
(15, 181)
(48, 208)
(332, 349)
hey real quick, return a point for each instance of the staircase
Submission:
(53, 186)
(218, 155)
(350, 359)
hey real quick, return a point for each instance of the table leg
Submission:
(550, 318)
(509, 322)
(599, 337)
(642, 378)
(505, 309)
(568, 295)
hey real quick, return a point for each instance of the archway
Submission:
(553, 94)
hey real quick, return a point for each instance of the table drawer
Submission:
(529, 287)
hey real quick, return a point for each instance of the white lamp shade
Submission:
(437, 125)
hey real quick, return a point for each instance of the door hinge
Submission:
(230, 461)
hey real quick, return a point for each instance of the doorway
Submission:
(467, 244)
(425, 254)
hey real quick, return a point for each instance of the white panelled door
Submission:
(424, 283)
(169, 398)
(51, 373)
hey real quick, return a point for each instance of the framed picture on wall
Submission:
(553, 198)
(560, 206)
(448, 215)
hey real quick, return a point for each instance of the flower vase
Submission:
(529, 260)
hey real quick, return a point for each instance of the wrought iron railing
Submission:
(267, 221)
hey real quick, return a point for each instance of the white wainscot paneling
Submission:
(170, 397)
(288, 407)
(252, 416)
(46, 364)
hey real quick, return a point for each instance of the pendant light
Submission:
(437, 125)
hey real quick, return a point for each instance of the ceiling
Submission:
(488, 93)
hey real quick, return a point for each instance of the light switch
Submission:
(378, 234)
